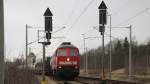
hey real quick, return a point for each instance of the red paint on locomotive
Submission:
(66, 56)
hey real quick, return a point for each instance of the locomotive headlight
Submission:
(59, 67)
(68, 59)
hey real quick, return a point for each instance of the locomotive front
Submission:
(66, 60)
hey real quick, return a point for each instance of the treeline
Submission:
(120, 57)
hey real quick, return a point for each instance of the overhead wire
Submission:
(73, 10)
(122, 6)
(77, 19)
(132, 17)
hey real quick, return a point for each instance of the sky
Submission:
(78, 17)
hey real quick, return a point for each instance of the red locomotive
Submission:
(65, 61)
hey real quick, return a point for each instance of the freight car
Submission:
(39, 67)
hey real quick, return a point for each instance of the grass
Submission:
(15, 75)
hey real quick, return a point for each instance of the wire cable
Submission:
(141, 12)
(77, 19)
(122, 6)
(72, 12)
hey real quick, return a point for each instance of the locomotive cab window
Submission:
(73, 52)
(62, 52)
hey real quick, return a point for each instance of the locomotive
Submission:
(65, 61)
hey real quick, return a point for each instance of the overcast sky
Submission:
(78, 16)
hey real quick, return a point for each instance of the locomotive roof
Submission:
(67, 45)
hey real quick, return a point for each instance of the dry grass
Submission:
(15, 75)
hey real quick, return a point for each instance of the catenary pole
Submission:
(110, 51)
(26, 64)
(1, 42)
(84, 52)
(130, 53)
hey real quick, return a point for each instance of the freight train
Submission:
(64, 62)
(39, 67)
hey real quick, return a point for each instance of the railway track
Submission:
(79, 80)
(69, 82)
(87, 80)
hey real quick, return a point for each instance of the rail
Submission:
(90, 80)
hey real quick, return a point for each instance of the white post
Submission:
(130, 54)
(86, 61)
(110, 51)
(1, 42)
(26, 44)
(85, 66)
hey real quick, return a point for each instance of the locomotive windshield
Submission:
(73, 52)
(67, 52)
(62, 52)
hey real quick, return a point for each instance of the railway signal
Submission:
(103, 13)
(48, 20)
(48, 24)
(102, 17)
(48, 30)
(102, 22)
